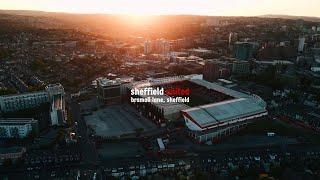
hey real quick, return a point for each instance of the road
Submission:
(89, 153)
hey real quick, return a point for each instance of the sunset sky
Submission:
(148, 7)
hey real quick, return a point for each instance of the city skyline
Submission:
(151, 89)
(157, 7)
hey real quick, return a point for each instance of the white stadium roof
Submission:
(218, 113)
(243, 106)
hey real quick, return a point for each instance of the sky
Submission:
(150, 7)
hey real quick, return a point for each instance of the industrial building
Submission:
(53, 94)
(18, 127)
(245, 50)
(159, 46)
(16, 102)
(215, 69)
(111, 91)
(241, 67)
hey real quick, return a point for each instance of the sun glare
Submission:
(161, 7)
(137, 19)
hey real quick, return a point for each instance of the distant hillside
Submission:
(120, 26)
(305, 18)
(115, 25)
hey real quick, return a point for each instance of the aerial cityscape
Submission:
(159, 90)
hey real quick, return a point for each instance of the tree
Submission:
(275, 171)
(294, 96)
(305, 82)
(14, 132)
(38, 65)
(201, 175)
(138, 131)
(269, 77)
(7, 163)
(5, 52)
(318, 97)
(3, 132)
(6, 91)
(32, 135)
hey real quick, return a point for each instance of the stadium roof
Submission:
(219, 88)
(243, 105)
(217, 113)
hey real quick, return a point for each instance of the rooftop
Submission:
(107, 82)
(219, 88)
(27, 94)
(201, 50)
(8, 121)
(12, 150)
(243, 105)
(225, 111)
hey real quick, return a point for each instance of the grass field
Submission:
(197, 100)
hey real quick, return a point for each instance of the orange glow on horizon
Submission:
(161, 7)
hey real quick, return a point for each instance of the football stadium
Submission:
(213, 111)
